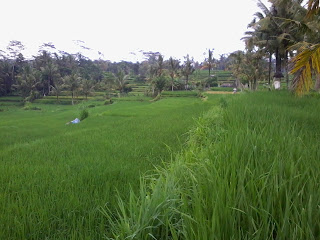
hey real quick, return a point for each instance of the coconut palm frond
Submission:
(305, 62)
(302, 81)
(313, 8)
(299, 45)
(263, 7)
(284, 36)
(259, 15)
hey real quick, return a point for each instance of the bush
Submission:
(108, 102)
(127, 89)
(28, 106)
(84, 114)
(91, 106)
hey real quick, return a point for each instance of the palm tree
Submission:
(15, 47)
(121, 79)
(5, 75)
(262, 35)
(50, 74)
(187, 69)
(307, 60)
(28, 82)
(274, 32)
(159, 65)
(87, 87)
(57, 88)
(174, 66)
(72, 83)
(209, 62)
(237, 59)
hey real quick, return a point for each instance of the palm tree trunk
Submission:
(278, 74)
(187, 80)
(287, 69)
(12, 75)
(270, 62)
(172, 83)
(317, 84)
(72, 97)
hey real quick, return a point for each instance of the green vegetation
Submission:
(140, 167)
(55, 178)
(248, 172)
(179, 94)
(223, 89)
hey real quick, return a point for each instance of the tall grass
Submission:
(249, 171)
(54, 178)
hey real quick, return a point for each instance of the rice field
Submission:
(243, 166)
(56, 178)
(250, 170)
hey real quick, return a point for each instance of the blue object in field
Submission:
(75, 121)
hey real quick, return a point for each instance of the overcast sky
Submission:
(118, 27)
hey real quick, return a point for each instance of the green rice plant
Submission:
(29, 106)
(223, 102)
(223, 89)
(179, 93)
(83, 114)
(108, 101)
(249, 171)
(54, 178)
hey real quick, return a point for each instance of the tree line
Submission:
(282, 40)
(50, 72)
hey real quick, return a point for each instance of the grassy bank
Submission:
(249, 171)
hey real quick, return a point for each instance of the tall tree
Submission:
(248, 66)
(173, 67)
(72, 83)
(187, 70)
(273, 32)
(49, 75)
(5, 76)
(236, 65)
(209, 61)
(87, 86)
(121, 80)
(14, 52)
(28, 83)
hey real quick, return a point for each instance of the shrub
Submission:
(108, 102)
(91, 106)
(28, 106)
(84, 114)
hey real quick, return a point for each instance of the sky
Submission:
(123, 29)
